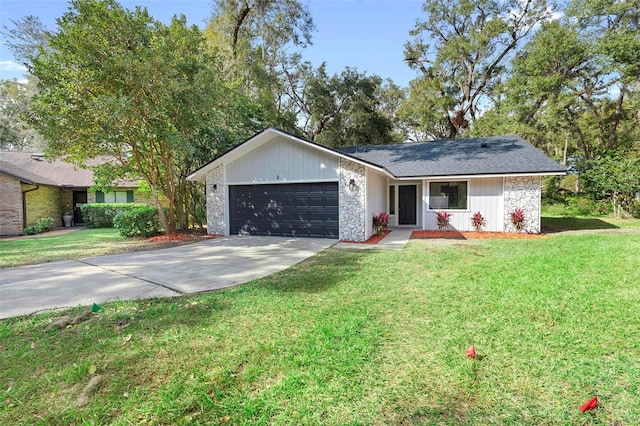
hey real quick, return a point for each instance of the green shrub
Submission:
(140, 222)
(574, 205)
(555, 209)
(44, 224)
(634, 208)
(101, 215)
(582, 206)
(30, 230)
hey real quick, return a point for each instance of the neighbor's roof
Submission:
(497, 155)
(33, 168)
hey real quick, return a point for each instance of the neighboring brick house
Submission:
(31, 187)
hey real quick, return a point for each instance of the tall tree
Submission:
(461, 50)
(118, 82)
(26, 38)
(259, 42)
(346, 109)
(573, 88)
(15, 134)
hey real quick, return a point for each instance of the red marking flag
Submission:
(589, 405)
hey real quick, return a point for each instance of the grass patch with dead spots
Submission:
(355, 337)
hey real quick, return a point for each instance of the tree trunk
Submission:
(161, 216)
(236, 30)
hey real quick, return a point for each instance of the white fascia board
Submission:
(481, 176)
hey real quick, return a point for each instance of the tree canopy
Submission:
(166, 98)
(461, 49)
(120, 83)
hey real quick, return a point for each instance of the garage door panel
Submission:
(304, 210)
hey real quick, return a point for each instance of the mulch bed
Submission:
(375, 239)
(472, 235)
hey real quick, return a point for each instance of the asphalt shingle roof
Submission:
(495, 155)
(34, 169)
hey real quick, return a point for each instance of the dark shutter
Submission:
(99, 197)
(130, 196)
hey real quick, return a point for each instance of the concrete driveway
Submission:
(208, 265)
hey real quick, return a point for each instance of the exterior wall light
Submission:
(352, 185)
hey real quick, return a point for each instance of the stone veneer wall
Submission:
(215, 201)
(523, 192)
(10, 206)
(352, 203)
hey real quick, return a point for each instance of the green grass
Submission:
(356, 338)
(74, 245)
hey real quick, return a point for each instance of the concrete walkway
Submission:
(207, 265)
(54, 233)
(394, 240)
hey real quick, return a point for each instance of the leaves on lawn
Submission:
(91, 369)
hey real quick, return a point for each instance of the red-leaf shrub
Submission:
(443, 219)
(380, 222)
(478, 221)
(517, 219)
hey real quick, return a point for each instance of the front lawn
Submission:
(75, 245)
(356, 337)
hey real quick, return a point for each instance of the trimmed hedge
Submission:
(140, 222)
(44, 224)
(101, 215)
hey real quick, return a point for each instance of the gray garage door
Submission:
(298, 209)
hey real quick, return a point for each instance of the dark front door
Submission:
(407, 204)
(298, 209)
(79, 198)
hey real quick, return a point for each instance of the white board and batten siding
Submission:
(283, 161)
(376, 198)
(483, 195)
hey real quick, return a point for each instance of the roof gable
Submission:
(282, 159)
(265, 136)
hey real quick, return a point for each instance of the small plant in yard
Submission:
(443, 219)
(517, 219)
(478, 221)
(44, 224)
(380, 222)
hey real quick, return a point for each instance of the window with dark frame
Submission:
(114, 197)
(448, 195)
